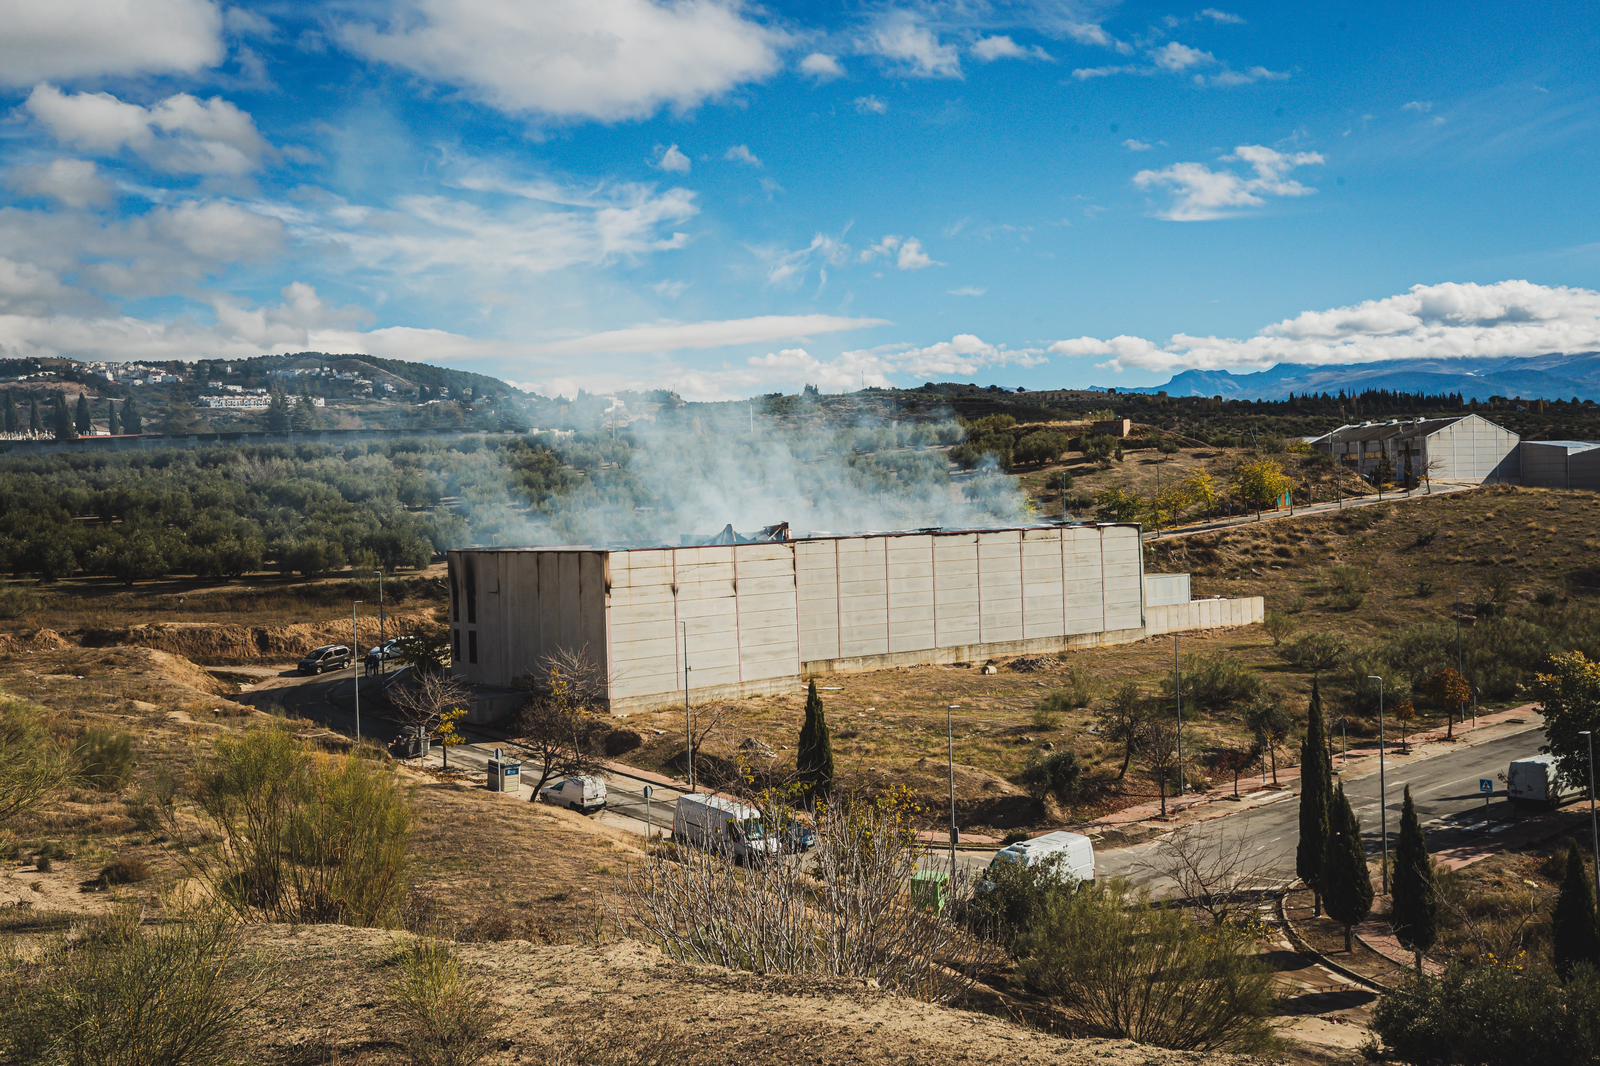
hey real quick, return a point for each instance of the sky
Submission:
(730, 198)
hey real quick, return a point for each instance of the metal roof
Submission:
(1375, 431)
(1569, 445)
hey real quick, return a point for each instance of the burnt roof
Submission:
(1375, 431)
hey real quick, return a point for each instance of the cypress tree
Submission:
(82, 417)
(278, 413)
(113, 423)
(131, 422)
(1574, 937)
(814, 760)
(1416, 899)
(34, 425)
(8, 414)
(61, 420)
(1346, 881)
(1316, 783)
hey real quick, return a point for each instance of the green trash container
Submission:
(930, 890)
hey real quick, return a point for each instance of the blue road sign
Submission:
(1485, 785)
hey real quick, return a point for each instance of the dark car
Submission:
(328, 657)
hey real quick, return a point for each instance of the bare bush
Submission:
(1221, 877)
(441, 1015)
(847, 912)
(557, 722)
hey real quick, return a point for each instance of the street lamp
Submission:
(950, 741)
(355, 661)
(1383, 790)
(1594, 825)
(1177, 690)
(688, 715)
(382, 655)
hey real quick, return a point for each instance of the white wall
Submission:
(1472, 449)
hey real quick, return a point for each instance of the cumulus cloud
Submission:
(871, 105)
(1000, 46)
(1224, 18)
(821, 66)
(605, 60)
(911, 47)
(1200, 193)
(1448, 320)
(181, 134)
(1177, 58)
(1133, 144)
(68, 40)
(70, 182)
(672, 160)
(741, 153)
(907, 253)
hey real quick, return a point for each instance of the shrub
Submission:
(1347, 588)
(1217, 681)
(1119, 966)
(1493, 1013)
(1072, 694)
(32, 763)
(441, 1015)
(122, 995)
(1060, 775)
(122, 872)
(103, 759)
(1010, 895)
(1317, 652)
(15, 603)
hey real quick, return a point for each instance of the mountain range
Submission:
(1539, 377)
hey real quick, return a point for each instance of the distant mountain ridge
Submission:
(1539, 377)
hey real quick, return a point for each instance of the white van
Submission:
(1074, 853)
(716, 822)
(582, 794)
(1537, 781)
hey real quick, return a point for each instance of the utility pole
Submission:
(355, 661)
(1594, 824)
(950, 739)
(381, 642)
(688, 715)
(1177, 690)
(1383, 791)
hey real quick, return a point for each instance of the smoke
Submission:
(691, 474)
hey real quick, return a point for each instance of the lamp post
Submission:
(381, 655)
(1177, 690)
(688, 715)
(355, 661)
(950, 741)
(1594, 824)
(1383, 790)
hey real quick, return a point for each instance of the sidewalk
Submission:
(1204, 806)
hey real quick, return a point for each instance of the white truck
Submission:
(716, 823)
(1072, 852)
(1537, 781)
(583, 794)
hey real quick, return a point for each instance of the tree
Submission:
(1405, 712)
(1041, 446)
(8, 413)
(1215, 874)
(113, 423)
(1316, 796)
(1415, 904)
(1574, 938)
(814, 760)
(1270, 723)
(279, 415)
(1123, 720)
(1260, 484)
(555, 723)
(1568, 692)
(1346, 881)
(1235, 760)
(83, 418)
(1318, 652)
(1161, 754)
(1119, 505)
(303, 416)
(61, 421)
(428, 705)
(132, 421)
(1383, 472)
(35, 426)
(1448, 691)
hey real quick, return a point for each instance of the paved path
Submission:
(1308, 509)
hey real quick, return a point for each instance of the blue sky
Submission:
(731, 198)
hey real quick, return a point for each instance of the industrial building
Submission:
(1561, 464)
(1466, 448)
(763, 613)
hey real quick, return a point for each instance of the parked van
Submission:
(1073, 852)
(582, 794)
(716, 822)
(327, 657)
(1537, 782)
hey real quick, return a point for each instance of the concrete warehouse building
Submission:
(1459, 449)
(1561, 464)
(754, 617)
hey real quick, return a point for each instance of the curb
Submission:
(1301, 945)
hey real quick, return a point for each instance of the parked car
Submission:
(1536, 781)
(1073, 854)
(582, 794)
(387, 652)
(328, 657)
(716, 823)
(798, 838)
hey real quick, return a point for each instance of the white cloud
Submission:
(1447, 320)
(670, 289)
(698, 336)
(68, 40)
(605, 60)
(1000, 46)
(1230, 78)
(1221, 17)
(1133, 144)
(821, 66)
(70, 182)
(181, 134)
(1200, 193)
(914, 49)
(968, 291)
(962, 355)
(672, 160)
(790, 268)
(1091, 73)
(907, 253)
(1421, 107)
(871, 105)
(1177, 57)
(741, 153)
